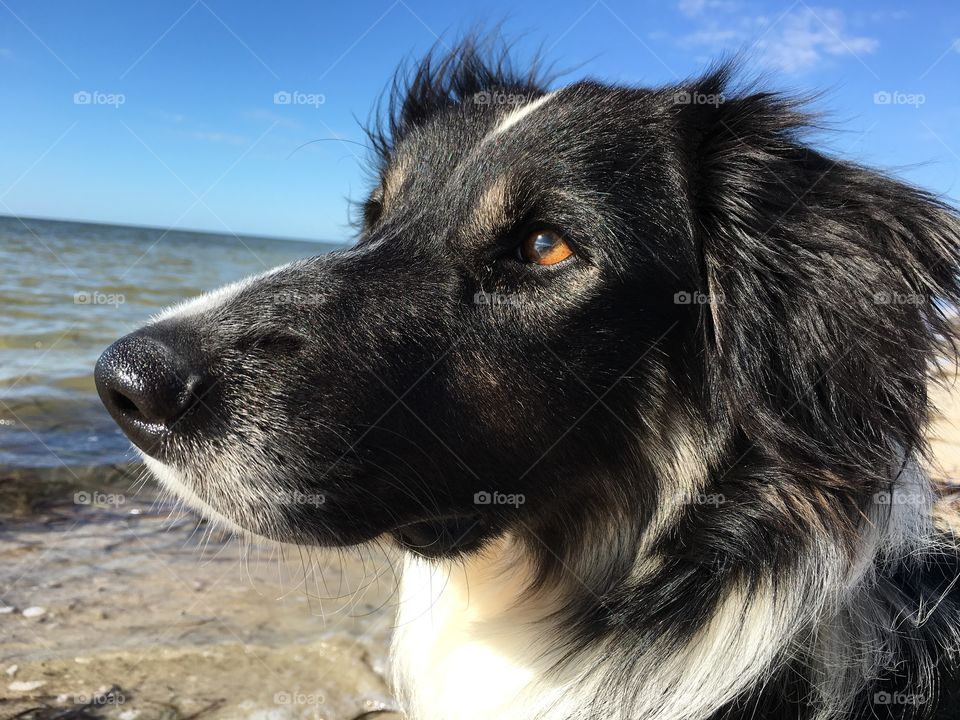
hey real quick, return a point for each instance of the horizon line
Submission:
(160, 228)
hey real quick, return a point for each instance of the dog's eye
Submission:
(544, 247)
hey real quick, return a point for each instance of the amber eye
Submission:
(544, 247)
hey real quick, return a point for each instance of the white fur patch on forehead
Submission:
(519, 114)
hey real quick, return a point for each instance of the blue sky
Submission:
(163, 112)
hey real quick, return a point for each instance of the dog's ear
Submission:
(828, 285)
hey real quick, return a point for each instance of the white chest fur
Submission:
(465, 648)
(470, 644)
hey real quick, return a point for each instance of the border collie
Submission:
(635, 378)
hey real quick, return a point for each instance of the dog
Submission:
(636, 379)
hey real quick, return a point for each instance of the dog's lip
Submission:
(442, 534)
(147, 436)
(438, 519)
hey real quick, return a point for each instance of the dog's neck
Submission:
(472, 641)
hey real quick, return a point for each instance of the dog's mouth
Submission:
(442, 537)
(432, 537)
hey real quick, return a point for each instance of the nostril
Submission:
(124, 404)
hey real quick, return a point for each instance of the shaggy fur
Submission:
(676, 476)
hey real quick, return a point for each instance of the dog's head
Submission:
(595, 302)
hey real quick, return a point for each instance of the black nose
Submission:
(147, 387)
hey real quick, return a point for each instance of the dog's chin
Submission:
(260, 520)
(446, 536)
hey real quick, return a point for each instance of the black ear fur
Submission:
(831, 286)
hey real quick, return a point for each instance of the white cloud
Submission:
(218, 137)
(693, 8)
(175, 118)
(267, 117)
(796, 41)
(714, 38)
(803, 38)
